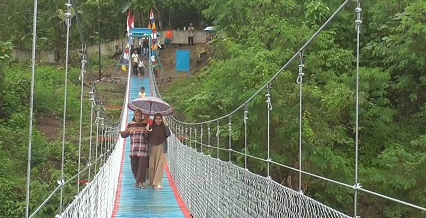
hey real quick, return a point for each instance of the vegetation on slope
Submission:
(262, 36)
(47, 136)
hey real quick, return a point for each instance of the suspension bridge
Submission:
(201, 178)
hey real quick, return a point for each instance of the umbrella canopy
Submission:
(151, 106)
(209, 29)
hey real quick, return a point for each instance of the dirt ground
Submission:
(199, 59)
(51, 127)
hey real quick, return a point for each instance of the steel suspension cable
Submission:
(83, 71)
(300, 82)
(245, 135)
(268, 159)
(79, 26)
(98, 119)
(358, 23)
(118, 64)
(296, 55)
(68, 23)
(269, 109)
(92, 102)
(30, 134)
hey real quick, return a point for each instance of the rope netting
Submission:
(98, 197)
(214, 188)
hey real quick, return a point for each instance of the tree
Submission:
(262, 35)
(5, 50)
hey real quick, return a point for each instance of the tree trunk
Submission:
(2, 114)
(170, 20)
(159, 17)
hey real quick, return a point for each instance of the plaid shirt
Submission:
(138, 144)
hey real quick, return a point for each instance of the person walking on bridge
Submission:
(157, 137)
(136, 129)
(135, 59)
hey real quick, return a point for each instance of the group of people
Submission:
(148, 150)
(190, 33)
(138, 65)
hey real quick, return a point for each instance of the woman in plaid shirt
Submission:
(138, 148)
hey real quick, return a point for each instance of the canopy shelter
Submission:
(209, 29)
(138, 33)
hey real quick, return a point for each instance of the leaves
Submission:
(5, 50)
(46, 155)
(263, 35)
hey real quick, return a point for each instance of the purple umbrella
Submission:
(151, 106)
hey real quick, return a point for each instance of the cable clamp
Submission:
(268, 101)
(357, 186)
(60, 182)
(358, 10)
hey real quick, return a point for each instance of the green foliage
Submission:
(111, 14)
(5, 50)
(47, 90)
(46, 154)
(262, 36)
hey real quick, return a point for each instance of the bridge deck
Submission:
(136, 202)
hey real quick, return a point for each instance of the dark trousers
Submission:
(135, 69)
(190, 40)
(139, 166)
(142, 71)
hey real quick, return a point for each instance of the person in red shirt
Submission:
(168, 38)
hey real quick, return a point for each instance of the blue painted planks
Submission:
(147, 203)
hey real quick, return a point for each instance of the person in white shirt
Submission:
(141, 68)
(191, 31)
(135, 59)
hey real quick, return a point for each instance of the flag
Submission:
(130, 22)
(125, 58)
(154, 30)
